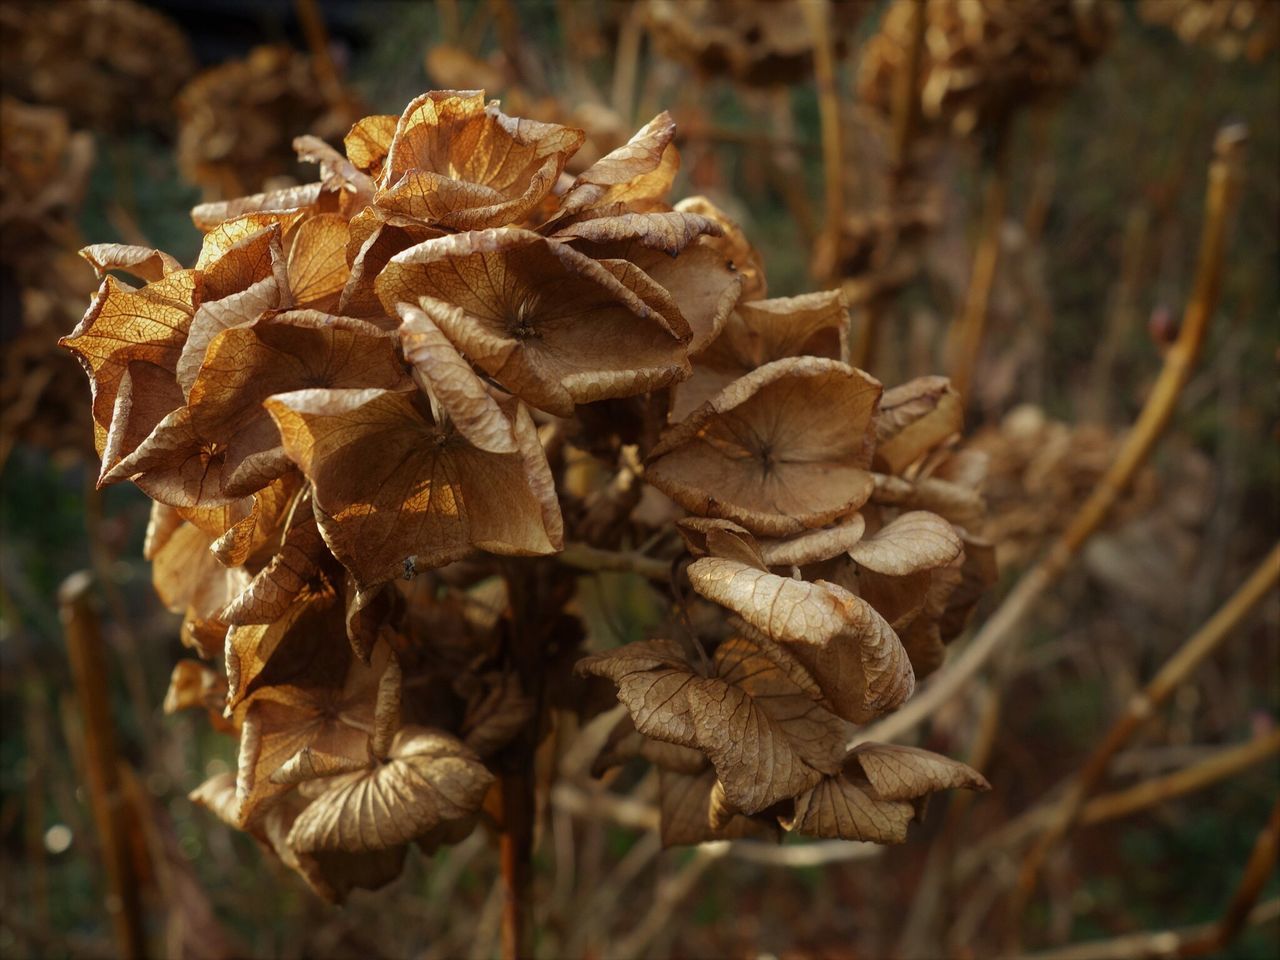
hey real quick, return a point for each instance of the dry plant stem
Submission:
(968, 331)
(818, 15)
(101, 761)
(906, 105)
(628, 59)
(1262, 861)
(1150, 946)
(1224, 764)
(1224, 179)
(318, 43)
(585, 557)
(1176, 669)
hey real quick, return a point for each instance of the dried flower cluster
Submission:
(1230, 28)
(760, 43)
(236, 120)
(984, 59)
(359, 411)
(110, 64)
(44, 169)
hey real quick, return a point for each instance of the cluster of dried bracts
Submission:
(1230, 28)
(985, 59)
(360, 416)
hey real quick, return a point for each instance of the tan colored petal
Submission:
(641, 169)
(849, 650)
(781, 449)
(451, 382)
(685, 807)
(196, 684)
(317, 262)
(277, 585)
(368, 142)
(813, 324)
(733, 244)
(252, 533)
(429, 778)
(145, 263)
(124, 324)
(915, 418)
(551, 325)
(670, 232)
(374, 238)
(177, 466)
(757, 720)
(392, 485)
(845, 808)
(455, 162)
(908, 773)
(235, 310)
(290, 200)
(147, 393)
(276, 354)
(814, 546)
(917, 540)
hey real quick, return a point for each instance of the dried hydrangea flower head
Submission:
(110, 64)
(1230, 28)
(984, 59)
(238, 119)
(362, 416)
(759, 43)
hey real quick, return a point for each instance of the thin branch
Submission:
(1003, 626)
(1151, 946)
(101, 762)
(818, 15)
(585, 557)
(1175, 670)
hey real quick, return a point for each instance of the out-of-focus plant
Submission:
(357, 416)
(110, 64)
(1230, 28)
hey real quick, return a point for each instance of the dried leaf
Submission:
(145, 263)
(909, 773)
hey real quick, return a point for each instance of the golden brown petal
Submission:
(391, 485)
(849, 650)
(549, 324)
(430, 778)
(915, 418)
(779, 450)
(145, 263)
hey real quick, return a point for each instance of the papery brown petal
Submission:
(758, 721)
(733, 244)
(274, 589)
(548, 323)
(451, 381)
(914, 418)
(291, 200)
(196, 684)
(781, 449)
(123, 324)
(917, 540)
(685, 806)
(218, 796)
(855, 657)
(176, 465)
(695, 531)
(908, 773)
(235, 310)
(453, 161)
(430, 778)
(145, 263)
(252, 533)
(278, 354)
(814, 324)
(841, 808)
(626, 743)
(642, 168)
(146, 395)
(326, 702)
(312, 764)
(373, 239)
(317, 262)
(417, 491)
(814, 546)
(368, 142)
(670, 232)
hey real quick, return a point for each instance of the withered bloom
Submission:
(365, 415)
